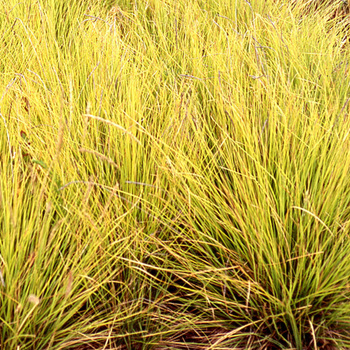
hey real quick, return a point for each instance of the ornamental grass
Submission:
(174, 175)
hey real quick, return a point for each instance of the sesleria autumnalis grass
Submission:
(174, 175)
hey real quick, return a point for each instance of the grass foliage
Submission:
(174, 174)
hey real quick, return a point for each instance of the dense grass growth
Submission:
(174, 174)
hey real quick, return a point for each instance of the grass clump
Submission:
(174, 175)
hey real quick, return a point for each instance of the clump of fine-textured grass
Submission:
(174, 175)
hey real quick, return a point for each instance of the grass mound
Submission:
(174, 175)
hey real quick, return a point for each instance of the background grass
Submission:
(174, 175)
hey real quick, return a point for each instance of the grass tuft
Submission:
(174, 175)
